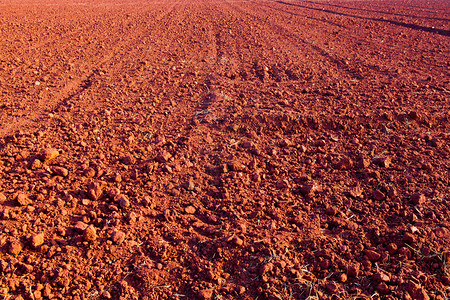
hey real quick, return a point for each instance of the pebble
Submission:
(90, 234)
(418, 198)
(95, 190)
(382, 276)
(49, 154)
(382, 288)
(118, 236)
(37, 240)
(59, 171)
(2, 197)
(190, 210)
(363, 163)
(23, 200)
(80, 226)
(36, 164)
(113, 192)
(122, 200)
(205, 294)
(378, 195)
(266, 268)
(372, 255)
(89, 172)
(384, 162)
(344, 164)
(15, 248)
(163, 157)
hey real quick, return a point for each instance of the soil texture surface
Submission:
(224, 149)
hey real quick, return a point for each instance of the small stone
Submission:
(409, 238)
(190, 210)
(60, 171)
(49, 154)
(89, 172)
(205, 294)
(36, 164)
(382, 288)
(268, 267)
(23, 200)
(90, 234)
(238, 241)
(189, 185)
(382, 276)
(417, 199)
(113, 192)
(342, 277)
(372, 255)
(122, 200)
(118, 236)
(2, 197)
(37, 240)
(106, 294)
(363, 163)
(163, 157)
(331, 211)
(80, 226)
(15, 248)
(331, 287)
(95, 190)
(384, 162)
(378, 195)
(344, 164)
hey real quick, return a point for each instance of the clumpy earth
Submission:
(224, 149)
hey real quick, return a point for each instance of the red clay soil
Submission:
(224, 149)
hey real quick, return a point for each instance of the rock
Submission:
(37, 240)
(80, 226)
(353, 270)
(95, 190)
(189, 185)
(36, 164)
(2, 198)
(363, 163)
(89, 172)
(90, 234)
(417, 199)
(49, 154)
(268, 267)
(331, 287)
(332, 211)
(118, 236)
(372, 255)
(378, 195)
(382, 288)
(205, 294)
(122, 200)
(23, 200)
(15, 247)
(60, 171)
(163, 157)
(384, 162)
(113, 192)
(344, 164)
(382, 276)
(238, 241)
(409, 238)
(190, 210)
(342, 277)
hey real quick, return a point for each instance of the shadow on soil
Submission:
(397, 23)
(376, 11)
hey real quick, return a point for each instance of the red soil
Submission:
(224, 149)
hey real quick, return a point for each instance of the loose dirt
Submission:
(224, 149)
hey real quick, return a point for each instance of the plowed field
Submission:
(224, 149)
